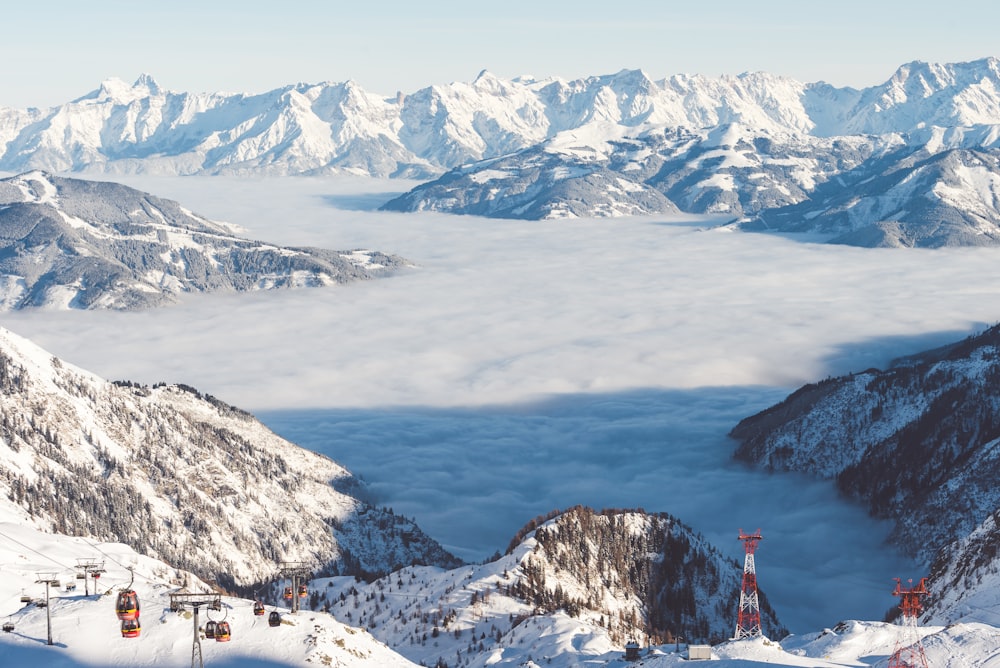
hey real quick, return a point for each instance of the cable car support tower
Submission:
(194, 602)
(299, 573)
(748, 619)
(909, 648)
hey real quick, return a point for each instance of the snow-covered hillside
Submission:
(182, 477)
(86, 631)
(70, 243)
(916, 443)
(602, 579)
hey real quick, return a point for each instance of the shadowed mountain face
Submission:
(917, 443)
(69, 243)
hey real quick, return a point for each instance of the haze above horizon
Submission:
(396, 46)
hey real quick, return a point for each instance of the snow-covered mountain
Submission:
(917, 443)
(70, 243)
(908, 163)
(611, 145)
(85, 631)
(733, 170)
(182, 477)
(579, 581)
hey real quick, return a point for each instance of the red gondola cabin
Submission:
(258, 608)
(130, 628)
(222, 633)
(127, 605)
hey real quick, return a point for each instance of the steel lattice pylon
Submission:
(909, 648)
(748, 619)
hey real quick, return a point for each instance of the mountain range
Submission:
(73, 243)
(910, 162)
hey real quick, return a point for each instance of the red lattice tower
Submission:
(909, 648)
(748, 620)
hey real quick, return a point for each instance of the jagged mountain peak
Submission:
(118, 91)
(444, 125)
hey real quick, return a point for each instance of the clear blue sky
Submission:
(66, 50)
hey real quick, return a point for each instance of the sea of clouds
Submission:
(521, 366)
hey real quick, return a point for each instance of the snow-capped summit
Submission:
(446, 125)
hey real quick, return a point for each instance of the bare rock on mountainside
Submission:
(70, 243)
(183, 478)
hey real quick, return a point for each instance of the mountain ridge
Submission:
(72, 243)
(326, 127)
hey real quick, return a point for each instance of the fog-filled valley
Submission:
(520, 366)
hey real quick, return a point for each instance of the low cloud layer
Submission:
(522, 366)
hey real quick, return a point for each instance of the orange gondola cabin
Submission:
(258, 608)
(222, 633)
(127, 605)
(130, 628)
(288, 594)
(303, 591)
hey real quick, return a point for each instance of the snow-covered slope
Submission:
(70, 243)
(181, 477)
(917, 443)
(913, 199)
(579, 583)
(86, 632)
